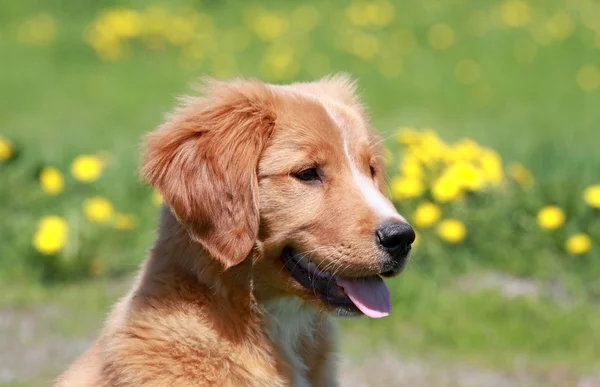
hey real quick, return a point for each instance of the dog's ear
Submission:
(204, 161)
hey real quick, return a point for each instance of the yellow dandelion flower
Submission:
(467, 150)
(7, 149)
(124, 222)
(407, 136)
(491, 166)
(52, 180)
(426, 214)
(520, 174)
(452, 231)
(157, 198)
(591, 196)
(578, 244)
(267, 26)
(560, 25)
(441, 36)
(51, 235)
(466, 175)
(550, 217)
(404, 187)
(280, 62)
(515, 13)
(98, 209)
(411, 167)
(588, 78)
(467, 71)
(87, 168)
(525, 51)
(445, 189)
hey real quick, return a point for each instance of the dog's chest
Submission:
(289, 322)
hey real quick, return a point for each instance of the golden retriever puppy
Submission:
(274, 221)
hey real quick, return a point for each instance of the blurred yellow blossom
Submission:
(591, 196)
(157, 198)
(588, 78)
(467, 149)
(491, 166)
(411, 167)
(7, 149)
(98, 209)
(466, 175)
(578, 244)
(124, 222)
(406, 187)
(467, 71)
(525, 51)
(87, 168)
(520, 174)
(280, 62)
(51, 235)
(515, 13)
(365, 46)
(407, 136)
(268, 26)
(445, 189)
(452, 231)
(38, 30)
(441, 36)
(51, 180)
(426, 214)
(550, 217)
(560, 25)
(376, 12)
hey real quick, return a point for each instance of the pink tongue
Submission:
(369, 294)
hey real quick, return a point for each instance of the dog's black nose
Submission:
(395, 237)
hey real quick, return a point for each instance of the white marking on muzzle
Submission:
(374, 198)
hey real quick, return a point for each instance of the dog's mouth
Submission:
(368, 295)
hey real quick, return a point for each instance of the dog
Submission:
(274, 220)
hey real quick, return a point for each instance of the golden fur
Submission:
(213, 304)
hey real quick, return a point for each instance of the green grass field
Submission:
(521, 78)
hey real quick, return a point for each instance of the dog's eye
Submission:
(309, 174)
(373, 171)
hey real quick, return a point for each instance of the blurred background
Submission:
(490, 114)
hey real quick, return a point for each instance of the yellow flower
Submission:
(266, 25)
(550, 217)
(588, 78)
(452, 230)
(411, 167)
(157, 198)
(560, 25)
(467, 149)
(441, 36)
(426, 214)
(98, 209)
(124, 222)
(7, 149)
(591, 196)
(520, 174)
(445, 189)
(491, 166)
(467, 71)
(578, 244)
(404, 187)
(515, 13)
(51, 235)
(51, 180)
(466, 175)
(407, 136)
(87, 168)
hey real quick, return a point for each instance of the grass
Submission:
(61, 100)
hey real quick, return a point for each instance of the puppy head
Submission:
(295, 172)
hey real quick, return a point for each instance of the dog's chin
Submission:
(333, 293)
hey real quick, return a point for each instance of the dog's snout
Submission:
(395, 237)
